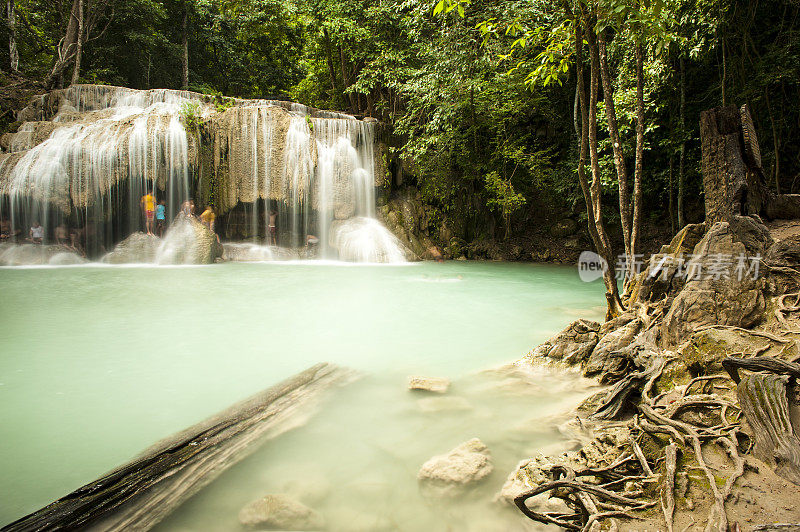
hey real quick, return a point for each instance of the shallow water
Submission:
(99, 362)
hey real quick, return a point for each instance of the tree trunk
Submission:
(619, 158)
(775, 144)
(733, 178)
(593, 193)
(145, 490)
(329, 60)
(65, 51)
(76, 72)
(13, 52)
(639, 165)
(682, 155)
(185, 48)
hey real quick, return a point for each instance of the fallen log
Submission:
(142, 492)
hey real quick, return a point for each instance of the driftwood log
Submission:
(733, 179)
(140, 493)
(765, 398)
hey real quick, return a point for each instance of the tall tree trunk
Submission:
(682, 154)
(671, 194)
(619, 158)
(639, 165)
(775, 144)
(76, 72)
(13, 52)
(65, 51)
(329, 60)
(594, 191)
(185, 47)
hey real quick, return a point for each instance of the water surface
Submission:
(99, 362)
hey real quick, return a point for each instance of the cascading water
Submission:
(88, 154)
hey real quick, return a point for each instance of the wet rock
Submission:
(280, 512)
(446, 474)
(564, 228)
(187, 241)
(572, 345)
(662, 276)
(363, 239)
(37, 255)
(783, 257)
(601, 357)
(137, 248)
(248, 252)
(66, 258)
(429, 384)
(706, 349)
(720, 287)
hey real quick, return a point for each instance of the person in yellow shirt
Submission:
(207, 217)
(149, 208)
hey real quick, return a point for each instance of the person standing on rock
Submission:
(207, 218)
(149, 208)
(161, 217)
(272, 229)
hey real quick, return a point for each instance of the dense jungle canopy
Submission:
(481, 99)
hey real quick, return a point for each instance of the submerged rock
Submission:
(280, 512)
(444, 404)
(187, 241)
(572, 345)
(446, 474)
(429, 384)
(137, 248)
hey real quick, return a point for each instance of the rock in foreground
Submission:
(446, 474)
(187, 241)
(139, 247)
(429, 384)
(280, 512)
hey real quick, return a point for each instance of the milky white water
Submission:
(99, 362)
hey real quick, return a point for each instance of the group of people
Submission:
(75, 238)
(155, 214)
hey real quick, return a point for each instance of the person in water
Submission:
(272, 229)
(61, 234)
(161, 217)
(36, 233)
(149, 208)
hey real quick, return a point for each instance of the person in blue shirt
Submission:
(161, 217)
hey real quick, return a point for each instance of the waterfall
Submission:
(87, 155)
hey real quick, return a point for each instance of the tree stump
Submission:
(733, 180)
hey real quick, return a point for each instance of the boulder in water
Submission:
(429, 384)
(280, 512)
(364, 239)
(37, 255)
(137, 248)
(572, 345)
(446, 474)
(249, 252)
(187, 241)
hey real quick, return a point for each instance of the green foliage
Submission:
(191, 117)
